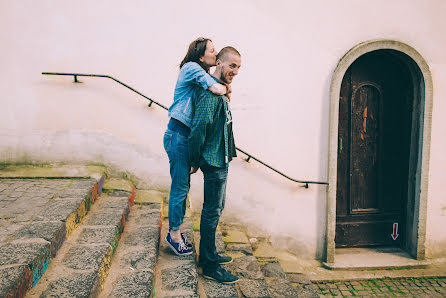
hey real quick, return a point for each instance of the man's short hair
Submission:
(226, 50)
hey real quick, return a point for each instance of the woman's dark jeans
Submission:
(214, 202)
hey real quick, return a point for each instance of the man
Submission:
(211, 148)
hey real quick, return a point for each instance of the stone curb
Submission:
(43, 237)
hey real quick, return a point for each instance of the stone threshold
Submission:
(374, 258)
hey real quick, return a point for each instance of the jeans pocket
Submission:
(167, 141)
(183, 141)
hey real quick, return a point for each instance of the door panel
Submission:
(373, 151)
(365, 103)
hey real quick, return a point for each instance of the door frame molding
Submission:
(417, 226)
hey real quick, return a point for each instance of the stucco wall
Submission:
(280, 99)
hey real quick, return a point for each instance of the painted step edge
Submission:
(33, 271)
(101, 273)
(124, 279)
(107, 258)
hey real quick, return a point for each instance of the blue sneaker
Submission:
(178, 247)
(187, 243)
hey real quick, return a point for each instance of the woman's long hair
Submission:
(195, 51)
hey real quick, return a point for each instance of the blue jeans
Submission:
(214, 203)
(177, 148)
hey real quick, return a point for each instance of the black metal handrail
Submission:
(75, 75)
(103, 76)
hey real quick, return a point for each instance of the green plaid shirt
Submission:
(208, 139)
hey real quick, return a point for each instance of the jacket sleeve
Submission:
(205, 107)
(195, 74)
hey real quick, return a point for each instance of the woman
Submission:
(194, 74)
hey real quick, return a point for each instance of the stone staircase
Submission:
(132, 270)
(260, 276)
(83, 262)
(37, 216)
(89, 237)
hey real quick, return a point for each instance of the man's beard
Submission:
(225, 80)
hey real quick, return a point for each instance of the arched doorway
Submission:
(380, 121)
(375, 116)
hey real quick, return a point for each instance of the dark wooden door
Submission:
(373, 147)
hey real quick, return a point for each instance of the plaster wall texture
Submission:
(280, 101)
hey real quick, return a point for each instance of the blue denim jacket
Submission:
(191, 78)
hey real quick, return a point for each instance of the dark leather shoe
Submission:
(220, 259)
(224, 259)
(220, 275)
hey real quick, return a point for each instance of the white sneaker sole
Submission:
(223, 263)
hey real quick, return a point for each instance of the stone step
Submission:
(83, 261)
(260, 275)
(210, 288)
(260, 271)
(176, 276)
(132, 270)
(53, 171)
(36, 216)
(252, 282)
(206, 287)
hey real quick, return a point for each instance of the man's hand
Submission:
(229, 89)
(228, 96)
(193, 170)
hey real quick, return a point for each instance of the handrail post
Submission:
(75, 79)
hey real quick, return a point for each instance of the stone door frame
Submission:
(417, 225)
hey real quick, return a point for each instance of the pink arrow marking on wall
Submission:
(395, 231)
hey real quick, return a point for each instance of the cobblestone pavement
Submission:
(22, 199)
(401, 287)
